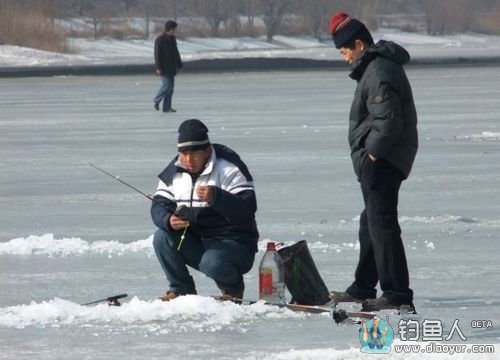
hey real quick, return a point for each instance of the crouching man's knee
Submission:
(217, 269)
(161, 241)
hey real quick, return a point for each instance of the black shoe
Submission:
(156, 106)
(342, 296)
(383, 303)
(169, 110)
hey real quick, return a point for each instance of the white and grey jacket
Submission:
(231, 215)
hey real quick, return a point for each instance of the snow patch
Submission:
(484, 136)
(49, 246)
(438, 219)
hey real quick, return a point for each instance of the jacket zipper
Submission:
(193, 183)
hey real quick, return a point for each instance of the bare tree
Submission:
(98, 11)
(128, 4)
(233, 23)
(147, 8)
(28, 23)
(216, 13)
(251, 7)
(274, 12)
(368, 13)
(448, 16)
(316, 14)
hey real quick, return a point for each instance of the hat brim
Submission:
(193, 146)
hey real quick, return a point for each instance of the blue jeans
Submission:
(224, 261)
(166, 91)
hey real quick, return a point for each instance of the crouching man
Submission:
(204, 208)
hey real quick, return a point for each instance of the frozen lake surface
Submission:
(69, 234)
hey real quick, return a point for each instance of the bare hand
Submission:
(205, 193)
(158, 72)
(177, 223)
(372, 158)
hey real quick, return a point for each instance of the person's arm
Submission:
(157, 56)
(238, 208)
(163, 206)
(178, 59)
(236, 201)
(386, 110)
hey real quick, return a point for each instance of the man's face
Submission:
(351, 55)
(172, 32)
(195, 161)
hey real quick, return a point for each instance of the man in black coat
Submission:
(167, 62)
(383, 140)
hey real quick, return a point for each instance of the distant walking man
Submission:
(383, 140)
(167, 62)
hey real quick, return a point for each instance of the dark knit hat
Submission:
(193, 135)
(343, 28)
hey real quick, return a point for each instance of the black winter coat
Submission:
(383, 119)
(167, 57)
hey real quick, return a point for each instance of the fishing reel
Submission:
(182, 212)
(113, 300)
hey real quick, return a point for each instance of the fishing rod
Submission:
(182, 211)
(123, 182)
(117, 178)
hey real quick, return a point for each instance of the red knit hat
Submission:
(343, 28)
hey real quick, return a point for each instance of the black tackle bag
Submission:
(302, 278)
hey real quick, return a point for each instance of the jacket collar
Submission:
(361, 64)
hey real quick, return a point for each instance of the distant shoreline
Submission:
(225, 65)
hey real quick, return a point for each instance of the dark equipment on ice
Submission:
(344, 316)
(302, 278)
(112, 300)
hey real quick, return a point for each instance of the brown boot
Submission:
(342, 296)
(233, 296)
(170, 295)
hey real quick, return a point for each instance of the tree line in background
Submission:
(38, 23)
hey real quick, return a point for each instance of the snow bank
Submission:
(184, 314)
(49, 246)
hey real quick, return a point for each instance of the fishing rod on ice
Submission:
(112, 300)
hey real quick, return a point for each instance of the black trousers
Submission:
(382, 255)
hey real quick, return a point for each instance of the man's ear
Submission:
(360, 45)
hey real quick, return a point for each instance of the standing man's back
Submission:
(167, 62)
